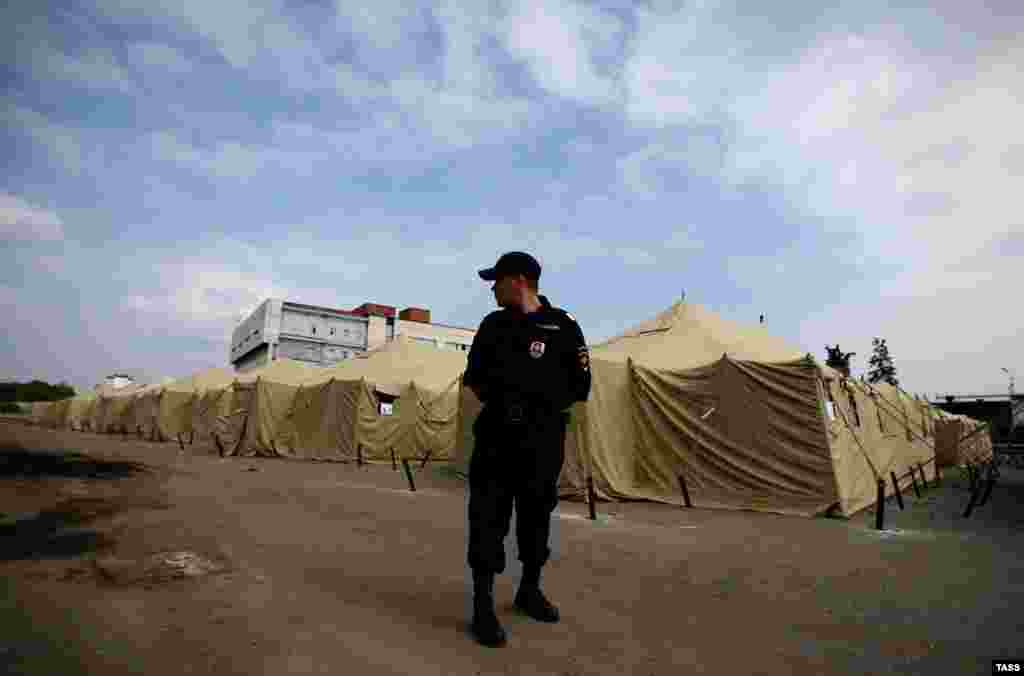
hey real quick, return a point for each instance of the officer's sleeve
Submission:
(480, 360)
(580, 373)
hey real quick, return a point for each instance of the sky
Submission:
(847, 169)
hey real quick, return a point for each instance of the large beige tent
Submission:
(179, 402)
(257, 403)
(338, 413)
(744, 419)
(960, 439)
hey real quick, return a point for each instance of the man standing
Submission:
(527, 365)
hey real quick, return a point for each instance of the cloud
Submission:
(560, 42)
(161, 56)
(61, 141)
(234, 160)
(20, 220)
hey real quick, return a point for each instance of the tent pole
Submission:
(182, 445)
(591, 498)
(686, 492)
(896, 487)
(992, 474)
(408, 474)
(359, 455)
(975, 492)
(924, 477)
(913, 477)
(880, 510)
(394, 463)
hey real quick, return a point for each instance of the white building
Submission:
(116, 381)
(324, 336)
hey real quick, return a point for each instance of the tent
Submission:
(141, 416)
(178, 399)
(334, 415)
(252, 409)
(960, 440)
(744, 419)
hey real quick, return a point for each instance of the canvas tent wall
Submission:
(259, 401)
(333, 416)
(178, 402)
(143, 411)
(960, 440)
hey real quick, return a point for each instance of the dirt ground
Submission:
(125, 557)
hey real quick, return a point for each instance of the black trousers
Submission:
(513, 464)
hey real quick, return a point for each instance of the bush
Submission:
(10, 407)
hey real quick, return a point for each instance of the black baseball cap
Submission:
(513, 263)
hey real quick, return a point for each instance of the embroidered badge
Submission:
(536, 349)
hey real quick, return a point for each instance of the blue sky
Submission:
(849, 172)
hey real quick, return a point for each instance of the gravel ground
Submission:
(119, 556)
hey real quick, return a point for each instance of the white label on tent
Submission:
(385, 409)
(831, 407)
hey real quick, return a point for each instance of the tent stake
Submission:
(591, 499)
(180, 443)
(191, 437)
(880, 510)
(394, 463)
(896, 487)
(992, 474)
(975, 492)
(425, 459)
(359, 455)
(686, 492)
(408, 474)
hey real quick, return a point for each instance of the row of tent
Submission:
(739, 416)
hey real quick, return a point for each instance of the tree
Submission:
(838, 359)
(35, 390)
(881, 368)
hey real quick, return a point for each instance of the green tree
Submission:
(35, 390)
(881, 369)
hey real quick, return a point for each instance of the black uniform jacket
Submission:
(540, 359)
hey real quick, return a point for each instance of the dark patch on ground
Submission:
(56, 532)
(22, 463)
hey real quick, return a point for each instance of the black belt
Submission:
(519, 412)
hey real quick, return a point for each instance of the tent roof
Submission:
(285, 371)
(687, 335)
(203, 380)
(397, 363)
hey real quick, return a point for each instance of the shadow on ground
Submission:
(58, 532)
(54, 533)
(22, 463)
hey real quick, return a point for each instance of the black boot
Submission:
(530, 599)
(486, 628)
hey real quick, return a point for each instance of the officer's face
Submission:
(505, 290)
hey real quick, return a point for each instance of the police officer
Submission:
(527, 365)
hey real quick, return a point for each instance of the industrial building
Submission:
(322, 336)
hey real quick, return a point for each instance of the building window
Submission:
(332, 331)
(313, 330)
